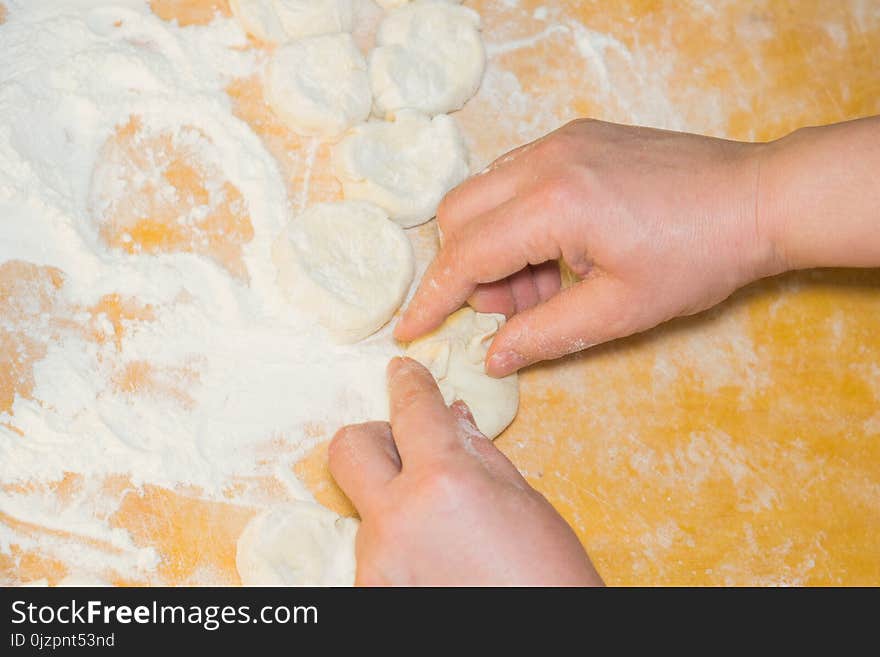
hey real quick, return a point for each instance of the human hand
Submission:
(440, 505)
(657, 224)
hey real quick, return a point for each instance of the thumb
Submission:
(590, 312)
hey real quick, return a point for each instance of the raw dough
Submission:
(455, 354)
(347, 264)
(405, 166)
(394, 4)
(298, 544)
(391, 4)
(430, 57)
(278, 21)
(319, 86)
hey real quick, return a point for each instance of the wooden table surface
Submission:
(740, 446)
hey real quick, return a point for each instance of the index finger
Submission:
(483, 191)
(494, 246)
(422, 425)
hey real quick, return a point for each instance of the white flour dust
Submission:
(257, 371)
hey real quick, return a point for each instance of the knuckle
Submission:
(558, 191)
(582, 122)
(350, 438)
(554, 148)
(454, 252)
(446, 210)
(445, 485)
(341, 442)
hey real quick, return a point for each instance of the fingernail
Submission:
(504, 363)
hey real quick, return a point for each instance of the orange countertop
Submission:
(740, 446)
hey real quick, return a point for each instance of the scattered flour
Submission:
(258, 370)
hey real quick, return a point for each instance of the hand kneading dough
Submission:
(430, 58)
(299, 544)
(319, 86)
(347, 264)
(455, 354)
(405, 166)
(278, 21)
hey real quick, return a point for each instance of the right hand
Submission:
(657, 224)
(440, 505)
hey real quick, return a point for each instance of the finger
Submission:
(494, 297)
(548, 279)
(461, 411)
(522, 285)
(363, 459)
(473, 197)
(504, 296)
(593, 311)
(498, 244)
(493, 186)
(420, 421)
(489, 455)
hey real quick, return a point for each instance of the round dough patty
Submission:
(429, 57)
(319, 86)
(405, 166)
(278, 21)
(346, 264)
(298, 544)
(455, 354)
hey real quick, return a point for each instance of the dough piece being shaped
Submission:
(455, 354)
(347, 264)
(430, 57)
(278, 21)
(405, 166)
(298, 544)
(319, 86)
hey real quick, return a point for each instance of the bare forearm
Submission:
(820, 196)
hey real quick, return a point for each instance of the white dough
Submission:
(298, 544)
(391, 4)
(278, 21)
(347, 264)
(394, 4)
(455, 354)
(430, 57)
(319, 86)
(405, 166)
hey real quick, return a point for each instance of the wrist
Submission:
(772, 205)
(817, 201)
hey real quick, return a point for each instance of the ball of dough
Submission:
(430, 57)
(347, 265)
(455, 354)
(278, 21)
(319, 86)
(299, 544)
(405, 166)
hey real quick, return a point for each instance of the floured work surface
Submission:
(151, 378)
